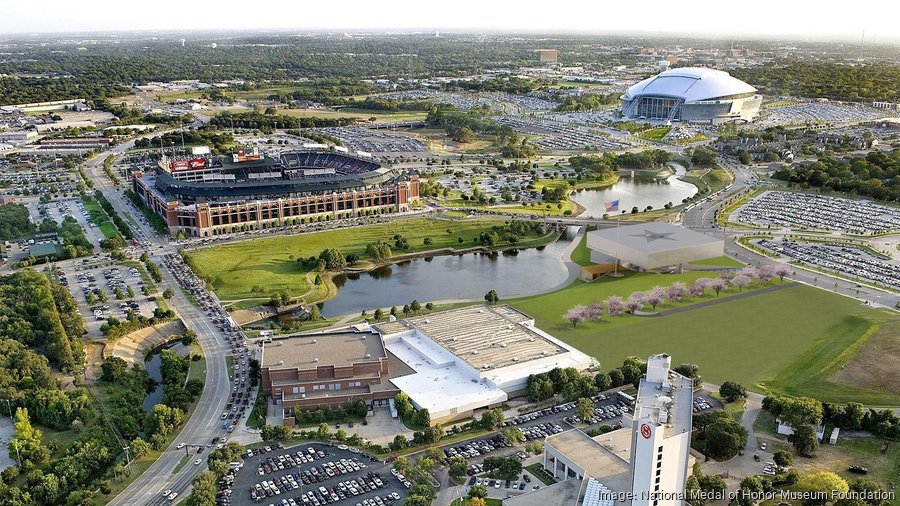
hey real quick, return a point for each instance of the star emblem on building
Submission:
(651, 236)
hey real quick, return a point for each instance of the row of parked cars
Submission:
(478, 447)
(288, 461)
(540, 431)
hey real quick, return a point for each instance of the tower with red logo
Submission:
(661, 438)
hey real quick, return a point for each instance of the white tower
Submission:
(661, 441)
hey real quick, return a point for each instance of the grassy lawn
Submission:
(181, 463)
(538, 471)
(488, 501)
(735, 409)
(654, 134)
(712, 180)
(257, 417)
(788, 341)
(271, 262)
(229, 362)
(198, 367)
(722, 261)
(98, 216)
(581, 255)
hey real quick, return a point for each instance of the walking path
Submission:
(725, 299)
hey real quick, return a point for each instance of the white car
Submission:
(166, 493)
(173, 495)
(197, 462)
(180, 446)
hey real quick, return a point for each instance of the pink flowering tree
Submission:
(741, 281)
(718, 285)
(750, 271)
(676, 291)
(782, 270)
(699, 286)
(655, 296)
(726, 275)
(635, 302)
(594, 311)
(615, 305)
(765, 273)
(575, 315)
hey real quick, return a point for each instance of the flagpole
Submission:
(616, 267)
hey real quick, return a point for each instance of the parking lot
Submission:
(377, 142)
(840, 258)
(313, 475)
(819, 212)
(93, 283)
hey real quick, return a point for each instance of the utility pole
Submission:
(127, 456)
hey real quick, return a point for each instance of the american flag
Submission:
(611, 206)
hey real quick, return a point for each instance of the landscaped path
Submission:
(726, 299)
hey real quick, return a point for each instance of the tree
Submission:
(783, 458)
(513, 435)
(276, 433)
(718, 284)
(400, 442)
(415, 306)
(602, 381)
(614, 305)
(575, 315)
(507, 468)
(781, 271)
(322, 431)
(334, 259)
(732, 391)
(691, 371)
(616, 378)
(492, 418)
(423, 417)
(655, 296)
(403, 404)
(724, 439)
(820, 487)
(425, 464)
(114, 368)
(593, 311)
(379, 314)
(741, 281)
(584, 408)
(479, 491)
(698, 287)
(635, 302)
(25, 446)
(676, 291)
(491, 297)
(457, 467)
(874, 491)
(804, 439)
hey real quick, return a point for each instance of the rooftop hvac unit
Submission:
(280, 362)
(474, 352)
(509, 327)
(303, 396)
(530, 339)
(515, 359)
(363, 338)
(503, 345)
(314, 341)
(280, 343)
(316, 359)
(368, 355)
(480, 311)
(427, 320)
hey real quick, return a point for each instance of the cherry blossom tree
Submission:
(635, 302)
(594, 311)
(766, 273)
(655, 296)
(726, 275)
(615, 306)
(676, 291)
(699, 286)
(575, 315)
(749, 271)
(718, 285)
(782, 270)
(741, 281)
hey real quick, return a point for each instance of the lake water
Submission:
(466, 276)
(152, 365)
(640, 191)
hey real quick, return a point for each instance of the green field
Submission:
(722, 261)
(654, 134)
(271, 262)
(581, 255)
(788, 340)
(98, 216)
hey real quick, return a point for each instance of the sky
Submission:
(821, 19)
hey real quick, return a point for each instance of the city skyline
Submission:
(706, 19)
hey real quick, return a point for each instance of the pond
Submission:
(636, 191)
(152, 366)
(465, 276)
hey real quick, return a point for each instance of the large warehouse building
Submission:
(653, 245)
(211, 195)
(692, 94)
(473, 357)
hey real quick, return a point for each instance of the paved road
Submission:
(204, 423)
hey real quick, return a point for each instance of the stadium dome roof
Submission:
(691, 84)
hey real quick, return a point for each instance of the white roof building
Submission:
(652, 245)
(472, 357)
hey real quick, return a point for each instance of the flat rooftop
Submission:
(308, 351)
(651, 402)
(495, 336)
(605, 457)
(651, 237)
